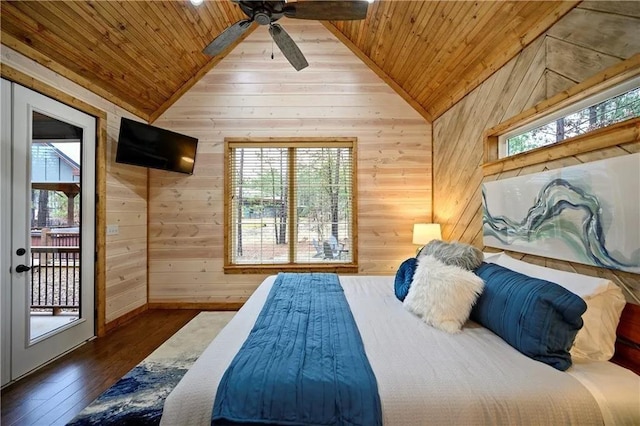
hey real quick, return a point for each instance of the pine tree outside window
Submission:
(612, 106)
(290, 205)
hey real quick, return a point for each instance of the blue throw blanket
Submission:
(303, 362)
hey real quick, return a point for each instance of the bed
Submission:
(427, 376)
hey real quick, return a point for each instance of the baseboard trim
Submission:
(203, 306)
(112, 325)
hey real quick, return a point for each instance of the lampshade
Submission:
(425, 232)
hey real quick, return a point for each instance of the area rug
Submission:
(138, 398)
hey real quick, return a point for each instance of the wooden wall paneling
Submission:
(574, 61)
(625, 8)
(529, 76)
(461, 178)
(445, 130)
(631, 148)
(539, 91)
(237, 99)
(556, 83)
(457, 204)
(601, 154)
(617, 35)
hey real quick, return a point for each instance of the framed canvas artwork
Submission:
(588, 213)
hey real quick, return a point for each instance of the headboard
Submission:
(628, 343)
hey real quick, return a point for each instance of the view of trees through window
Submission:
(606, 113)
(50, 209)
(267, 182)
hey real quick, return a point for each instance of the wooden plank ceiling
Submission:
(142, 55)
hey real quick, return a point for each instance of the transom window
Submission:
(611, 106)
(289, 203)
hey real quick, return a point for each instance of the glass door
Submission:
(53, 228)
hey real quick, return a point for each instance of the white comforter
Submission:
(426, 376)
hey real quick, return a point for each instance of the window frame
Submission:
(578, 105)
(288, 142)
(619, 133)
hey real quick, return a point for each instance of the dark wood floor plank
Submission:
(54, 394)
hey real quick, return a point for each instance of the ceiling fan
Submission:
(268, 12)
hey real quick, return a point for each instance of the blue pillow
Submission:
(404, 276)
(537, 317)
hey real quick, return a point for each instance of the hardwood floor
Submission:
(57, 392)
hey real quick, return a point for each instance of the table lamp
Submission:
(425, 232)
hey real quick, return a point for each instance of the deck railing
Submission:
(52, 237)
(55, 278)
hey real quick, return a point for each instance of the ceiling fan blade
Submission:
(288, 47)
(327, 10)
(227, 37)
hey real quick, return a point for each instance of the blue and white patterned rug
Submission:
(138, 398)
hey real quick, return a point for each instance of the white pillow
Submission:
(442, 295)
(488, 255)
(596, 339)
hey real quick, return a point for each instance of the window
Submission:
(617, 104)
(290, 203)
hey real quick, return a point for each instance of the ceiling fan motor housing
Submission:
(262, 17)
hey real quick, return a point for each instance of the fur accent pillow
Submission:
(458, 254)
(442, 295)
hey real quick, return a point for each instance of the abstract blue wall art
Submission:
(588, 213)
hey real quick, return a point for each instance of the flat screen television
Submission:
(141, 144)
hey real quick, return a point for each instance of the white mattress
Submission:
(428, 376)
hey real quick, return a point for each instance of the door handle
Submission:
(22, 268)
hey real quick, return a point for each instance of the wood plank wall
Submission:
(250, 95)
(587, 40)
(126, 253)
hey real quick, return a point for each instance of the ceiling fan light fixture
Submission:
(196, 2)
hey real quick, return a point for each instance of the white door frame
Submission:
(5, 232)
(27, 355)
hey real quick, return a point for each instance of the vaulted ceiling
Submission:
(142, 55)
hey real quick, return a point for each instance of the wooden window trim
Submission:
(287, 142)
(626, 131)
